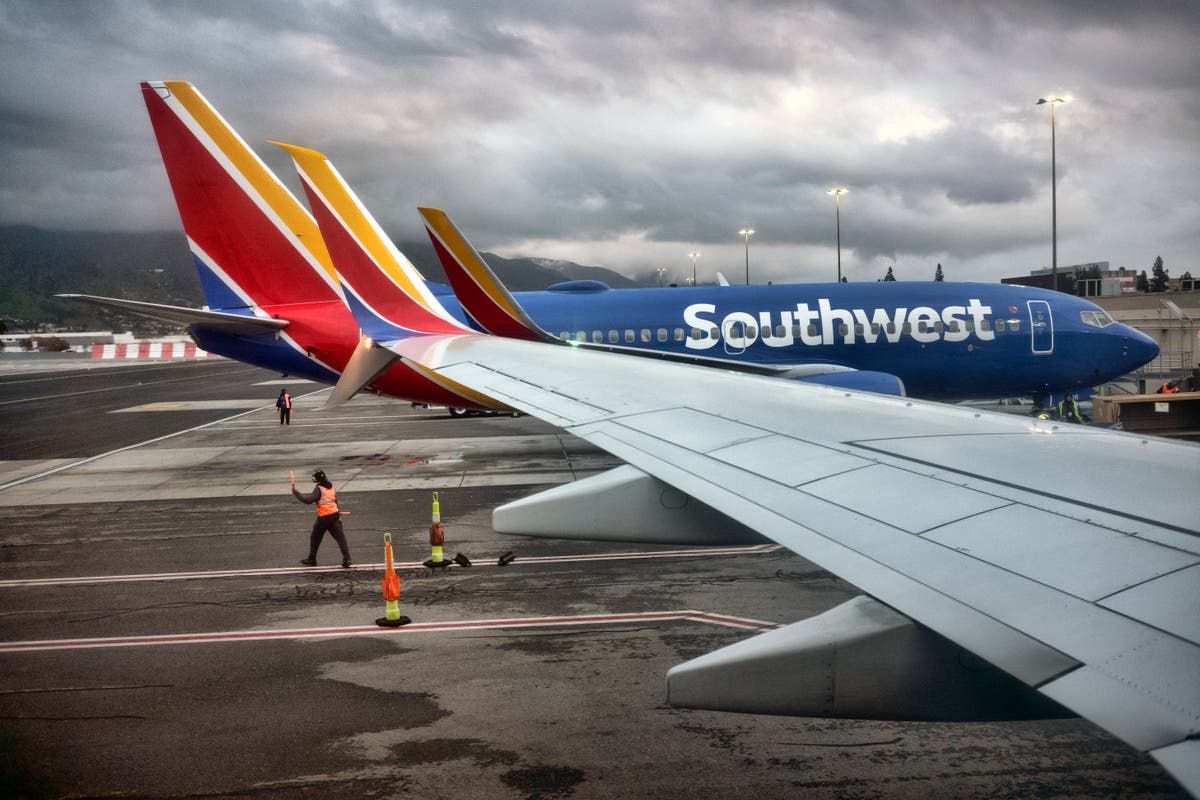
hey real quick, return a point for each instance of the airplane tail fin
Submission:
(480, 292)
(386, 293)
(253, 243)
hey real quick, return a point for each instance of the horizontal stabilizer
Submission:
(367, 364)
(621, 505)
(860, 660)
(236, 324)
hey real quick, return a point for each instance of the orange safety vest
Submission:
(328, 503)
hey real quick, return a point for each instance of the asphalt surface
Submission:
(541, 679)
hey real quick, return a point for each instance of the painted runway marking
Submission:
(90, 459)
(194, 405)
(690, 615)
(299, 570)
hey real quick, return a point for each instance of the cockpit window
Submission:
(1097, 319)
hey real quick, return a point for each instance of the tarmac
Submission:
(159, 638)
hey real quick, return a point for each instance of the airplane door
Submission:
(734, 336)
(1041, 327)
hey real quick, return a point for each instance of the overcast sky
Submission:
(629, 134)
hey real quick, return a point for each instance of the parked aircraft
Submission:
(942, 340)
(274, 300)
(975, 572)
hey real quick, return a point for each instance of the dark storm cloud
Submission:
(631, 131)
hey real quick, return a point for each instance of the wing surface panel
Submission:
(992, 583)
(1068, 463)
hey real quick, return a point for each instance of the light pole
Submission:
(1052, 102)
(694, 257)
(746, 233)
(661, 271)
(837, 193)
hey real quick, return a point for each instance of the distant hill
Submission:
(36, 264)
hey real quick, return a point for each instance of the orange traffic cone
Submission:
(391, 590)
(437, 538)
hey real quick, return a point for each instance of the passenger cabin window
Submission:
(812, 331)
(985, 324)
(1014, 325)
(714, 333)
(843, 330)
(780, 331)
(565, 336)
(969, 325)
(939, 327)
(891, 328)
(598, 336)
(908, 327)
(679, 334)
(876, 328)
(646, 335)
(999, 326)
(698, 334)
(613, 337)
(662, 334)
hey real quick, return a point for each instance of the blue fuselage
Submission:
(944, 340)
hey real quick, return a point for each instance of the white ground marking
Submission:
(368, 630)
(691, 552)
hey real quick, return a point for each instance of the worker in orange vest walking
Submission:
(329, 517)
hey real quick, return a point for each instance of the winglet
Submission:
(480, 292)
(384, 290)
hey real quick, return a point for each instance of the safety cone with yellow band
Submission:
(391, 590)
(437, 538)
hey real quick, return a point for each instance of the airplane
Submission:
(273, 297)
(1001, 558)
(932, 340)
(274, 300)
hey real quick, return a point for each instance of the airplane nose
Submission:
(1139, 348)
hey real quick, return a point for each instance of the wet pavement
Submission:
(158, 637)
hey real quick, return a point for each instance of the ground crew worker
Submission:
(284, 404)
(1068, 409)
(328, 517)
(1169, 388)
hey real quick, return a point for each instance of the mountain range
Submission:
(36, 264)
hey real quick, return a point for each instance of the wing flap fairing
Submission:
(621, 505)
(859, 660)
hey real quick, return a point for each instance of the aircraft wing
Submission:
(216, 320)
(1067, 556)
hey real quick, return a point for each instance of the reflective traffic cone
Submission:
(437, 538)
(391, 590)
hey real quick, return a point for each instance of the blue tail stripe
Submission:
(371, 323)
(219, 296)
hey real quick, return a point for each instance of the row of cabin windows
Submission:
(678, 334)
(614, 337)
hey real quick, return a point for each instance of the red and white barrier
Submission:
(147, 351)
